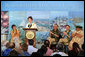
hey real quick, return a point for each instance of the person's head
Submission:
(55, 26)
(47, 43)
(42, 51)
(78, 28)
(60, 46)
(13, 27)
(31, 42)
(13, 53)
(43, 47)
(8, 45)
(24, 47)
(76, 47)
(53, 46)
(30, 19)
(67, 27)
(11, 45)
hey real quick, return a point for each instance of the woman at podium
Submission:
(29, 34)
(30, 23)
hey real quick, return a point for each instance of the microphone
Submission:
(30, 25)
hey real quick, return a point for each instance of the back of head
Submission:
(46, 42)
(76, 45)
(11, 45)
(42, 50)
(31, 42)
(53, 46)
(24, 47)
(8, 45)
(60, 46)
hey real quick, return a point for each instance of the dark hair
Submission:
(74, 51)
(31, 42)
(8, 45)
(60, 46)
(67, 25)
(53, 47)
(12, 45)
(42, 50)
(24, 47)
(79, 27)
(30, 17)
(75, 46)
(56, 24)
(47, 43)
(13, 53)
(13, 26)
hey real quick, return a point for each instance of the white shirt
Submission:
(33, 25)
(61, 53)
(31, 49)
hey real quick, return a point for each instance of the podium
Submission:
(30, 33)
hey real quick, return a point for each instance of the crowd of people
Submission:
(45, 50)
(58, 43)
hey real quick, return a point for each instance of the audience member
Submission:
(31, 49)
(10, 46)
(60, 50)
(24, 50)
(75, 50)
(49, 51)
(42, 51)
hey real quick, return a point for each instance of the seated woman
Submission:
(54, 34)
(75, 51)
(15, 36)
(77, 36)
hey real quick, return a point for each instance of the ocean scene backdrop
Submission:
(45, 14)
(44, 21)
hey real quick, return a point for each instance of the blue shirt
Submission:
(24, 53)
(69, 33)
(6, 52)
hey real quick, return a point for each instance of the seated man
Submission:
(66, 38)
(77, 36)
(54, 34)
